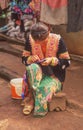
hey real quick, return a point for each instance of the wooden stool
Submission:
(58, 102)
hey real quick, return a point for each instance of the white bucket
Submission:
(16, 88)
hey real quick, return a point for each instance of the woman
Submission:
(46, 59)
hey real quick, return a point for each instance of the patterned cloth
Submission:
(43, 88)
(35, 6)
(21, 6)
(25, 86)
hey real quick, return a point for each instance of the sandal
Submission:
(29, 105)
(27, 109)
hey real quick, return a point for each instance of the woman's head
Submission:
(39, 31)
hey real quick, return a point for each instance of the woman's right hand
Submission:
(32, 59)
(25, 53)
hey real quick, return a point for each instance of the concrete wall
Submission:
(73, 41)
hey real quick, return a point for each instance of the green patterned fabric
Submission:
(43, 86)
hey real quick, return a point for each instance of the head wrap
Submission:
(39, 31)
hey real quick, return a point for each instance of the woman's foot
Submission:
(28, 107)
(25, 101)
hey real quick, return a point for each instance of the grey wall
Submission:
(73, 40)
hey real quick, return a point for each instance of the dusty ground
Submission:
(10, 108)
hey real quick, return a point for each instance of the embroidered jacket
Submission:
(55, 48)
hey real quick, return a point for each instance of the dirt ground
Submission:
(11, 109)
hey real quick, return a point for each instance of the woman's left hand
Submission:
(47, 61)
(53, 61)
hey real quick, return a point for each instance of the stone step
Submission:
(8, 74)
(13, 41)
(10, 50)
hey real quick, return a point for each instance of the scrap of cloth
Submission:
(54, 12)
(4, 4)
(19, 6)
(35, 6)
(75, 15)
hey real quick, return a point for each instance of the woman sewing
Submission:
(46, 59)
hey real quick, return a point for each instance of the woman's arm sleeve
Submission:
(27, 45)
(63, 55)
(27, 51)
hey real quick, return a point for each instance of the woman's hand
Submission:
(53, 61)
(32, 59)
(25, 53)
(47, 61)
(35, 58)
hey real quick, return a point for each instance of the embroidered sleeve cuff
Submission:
(54, 61)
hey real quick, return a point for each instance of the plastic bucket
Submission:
(16, 88)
